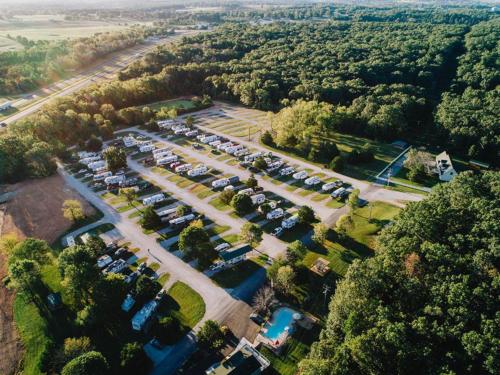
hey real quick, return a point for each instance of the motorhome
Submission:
(153, 199)
(182, 220)
(114, 180)
(183, 168)
(241, 152)
(330, 185)
(90, 159)
(167, 160)
(168, 214)
(162, 150)
(144, 315)
(129, 141)
(250, 158)
(214, 144)
(311, 181)
(199, 170)
(147, 148)
(287, 171)
(181, 131)
(191, 133)
(248, 191)
(234, 180)
(85, 154)
(338, 193)
(223, 146)
(101, 176)
(233, 149)
(275, 214)
(116, 267)
(209, 138)
(258, 199)
(290, 222)
(161, 155)
(220, 183)
(301, 175)
(166, 124)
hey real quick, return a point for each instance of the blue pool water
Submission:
(281, 319)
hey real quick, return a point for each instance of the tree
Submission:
(343, 224)
(251, 182)
(94, 144)
(263, 299)
(72, 348)
(295, 252)
(25, 275)
(78, 267)
(226, 196)
(242, 204)
(353, 200)
(181, 210)
(88, 363)
(284, 281)
(189, 121)
(145, 289)
(133, 359)
(320, 233)
(251, 234)
(116, 158)
(260, 163)
(7, 243)
(265, 208)
(31, 249)
(422, 273)
(88, 317)
(96, 245)
(337, 163)
(150, 219)
(168, 330)
(73, 210)
(306, 215)
(194, 242)
(210, 335)
(130, 195)
(267, 138)
(109, 293)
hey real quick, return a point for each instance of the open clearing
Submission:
(35, 208)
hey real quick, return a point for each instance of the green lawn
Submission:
(218, 204)
(185, 304)
(232, 277)
(218, 229)
(176, 103)
(163, 279)
(402, 176)
(231, 239)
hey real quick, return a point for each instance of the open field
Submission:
(176, 103)
(185, 304)
(35, 208)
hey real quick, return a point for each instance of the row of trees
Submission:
(427, 302)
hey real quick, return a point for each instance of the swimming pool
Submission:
(281, 321)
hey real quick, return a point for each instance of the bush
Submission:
(168, 330)
(150, 219)
(306, 215)
(226, 196)
(133, 359)
(145, 289)
(211, 336)
(267, 138)
(91, 363)
(94, 144)
(242, 204)
(337, 164)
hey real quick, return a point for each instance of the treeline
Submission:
(42, 62)
(385, 80)
(427, 302)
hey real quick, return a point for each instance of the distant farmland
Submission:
(51, 27)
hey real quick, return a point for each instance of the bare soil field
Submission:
(35, 209)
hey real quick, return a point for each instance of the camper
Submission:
(129, 141)
(209, 138)
(102, 176)
(223, 146)
(116, 267)
(90, 159)
(85, 154)
(275, 214)
(167, 160)
(153, 199)
(290, 222)
(241, 152)
(311, 181)
(114, 180)
(191, 133)
(233, 149)
(161, 151)
(128, 303)
(181, 131)
(301, 175)
(144, 315)
(258, 199)
(273, 165)
(248, 191)
(167, 124)
(250, 158)
(182, 220)
(338, 193)
(146, 148)
(287, 171)
(330, 185)
(220, 183)
(183, 168)
(234, 180)
(199, 170)
(161, 155)
(214, 144)
(167, 215)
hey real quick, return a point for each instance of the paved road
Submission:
(219, 302)
(102, 71)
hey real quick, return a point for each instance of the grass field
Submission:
(176, 103)
(185, 304)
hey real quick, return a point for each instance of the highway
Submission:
(105, 70)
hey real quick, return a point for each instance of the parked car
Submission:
(277, 232)
(222, 246)
(120, 252)
(256, 318)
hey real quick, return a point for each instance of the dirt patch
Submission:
(35, 208)
(11, 349)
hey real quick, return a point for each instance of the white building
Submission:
(444, 167)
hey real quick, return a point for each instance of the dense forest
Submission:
(427, 303)
(43, 61)
(385, 79)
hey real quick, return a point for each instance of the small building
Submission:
(321, 266)
(54, 301)
(235, 255)
(142, 316)
(245, 359)
(444, 167)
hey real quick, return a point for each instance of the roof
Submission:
(245, 360)
(54, 300)
(144, 313)
(235, 252)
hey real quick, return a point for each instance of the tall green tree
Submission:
(116, 158)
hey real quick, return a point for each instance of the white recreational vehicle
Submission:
(248, 191)
(275, 214)
(191, 133)
(258, 199)
(182, 220)
(220, 183)
(199, 170)
(113, 180)
(233, 149)
(146, 148)
(153, 199)
(300, 175)
(129, 141)
(162, 150)
(330, 185)
(250, 158)
(183, 168)
(290, 222)
(209, 138)
(223, 146)
(101, 176)
(166, 160)
(214, 144)
(339, 192)
(161, 155)
(287, 171)
(311, 181)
